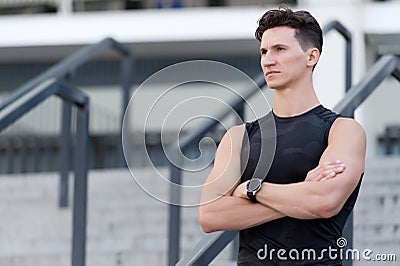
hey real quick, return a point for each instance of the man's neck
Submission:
(291, 102)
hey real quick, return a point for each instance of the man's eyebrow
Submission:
(262, 49)
(278, 45)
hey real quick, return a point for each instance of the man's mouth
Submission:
(271, 72)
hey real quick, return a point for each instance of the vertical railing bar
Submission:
(349, 60)
(126, 83)
(345, 33)
(387, 142)
(174, 216)
(65, 153)
(65, 148)
(80, 187)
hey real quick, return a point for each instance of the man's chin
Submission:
(272, 86)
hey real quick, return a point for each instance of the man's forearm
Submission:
(234, 213)
(304, 200)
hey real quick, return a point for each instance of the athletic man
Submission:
(294, 212)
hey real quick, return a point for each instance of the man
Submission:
(295, 211)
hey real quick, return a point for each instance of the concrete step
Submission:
(126, 226)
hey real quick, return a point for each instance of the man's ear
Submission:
(313, 56)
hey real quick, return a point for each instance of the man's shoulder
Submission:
(234, 135)
(348, 128)
(347, 123)
(238, 129)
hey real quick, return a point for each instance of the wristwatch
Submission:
(253, 186)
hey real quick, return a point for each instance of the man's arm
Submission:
(310, 199)
(219, 210)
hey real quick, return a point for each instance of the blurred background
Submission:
(66, 40)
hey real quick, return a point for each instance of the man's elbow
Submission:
(206, 226)
(206, 222)
(328, 207)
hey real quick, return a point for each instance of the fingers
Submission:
(325, 171)
(337, 169)
(332, 162)
(331, 172)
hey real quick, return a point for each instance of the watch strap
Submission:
(252, 197)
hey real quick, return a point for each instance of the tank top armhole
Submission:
(245, 151)
(328, 128)
(245, 147)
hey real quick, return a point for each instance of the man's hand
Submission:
(241, 191)
(325, 171)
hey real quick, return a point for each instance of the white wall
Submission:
(175, 32)
(362, 19)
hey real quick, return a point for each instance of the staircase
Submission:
(125, 225)
(376, 215)
(128, 227)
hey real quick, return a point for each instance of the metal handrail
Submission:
(384, 67)
(208, 248)
(22, 105)
(174, 211)
(65, 71)
(387, 65)
(67, 66)
(342, 30)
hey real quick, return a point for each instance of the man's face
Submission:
(283, 61)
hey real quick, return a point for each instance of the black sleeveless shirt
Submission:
(300, 142)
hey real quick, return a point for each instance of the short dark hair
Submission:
(307, 30)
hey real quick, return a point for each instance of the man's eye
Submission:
(280, 49)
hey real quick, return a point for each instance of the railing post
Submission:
(174, 216)
(346, 34)
(65, 148)
(349, 60)
(126, 82)
(80, 187)
(387, 142)
(65, 153)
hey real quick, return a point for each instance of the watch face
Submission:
(253, 184)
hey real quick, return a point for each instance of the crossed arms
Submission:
(224, 201)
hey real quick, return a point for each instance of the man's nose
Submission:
(268, 59)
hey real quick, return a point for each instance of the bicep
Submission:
(347, 143)
(225, 174)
